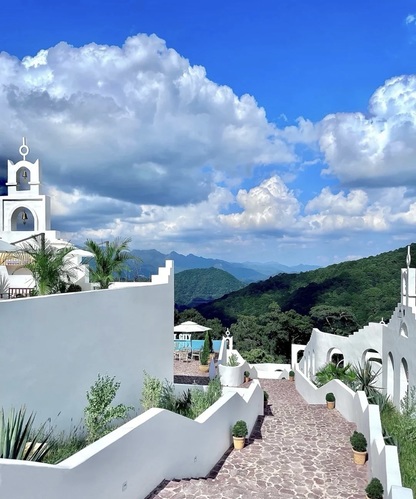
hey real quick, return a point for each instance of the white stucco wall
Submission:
(53, 347)
(399, 350)
(318, 350)
(131, 461)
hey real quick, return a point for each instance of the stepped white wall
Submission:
(131, 461)
(354, 347)
(53, 347)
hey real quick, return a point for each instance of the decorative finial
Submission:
(24, 149)
(408, 258)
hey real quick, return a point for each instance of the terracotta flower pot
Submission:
(203, 368)
(239, 442)
(330, 405)
(359, 457)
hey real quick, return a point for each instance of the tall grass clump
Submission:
(66, 444)
(400, 428)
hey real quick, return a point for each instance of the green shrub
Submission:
(201, 400)
(292, 374)
(206, 350)
(240, 429)
(374, 489)
(330, 371)
(257, 356)
(358, 442)
(99, 414)
(151, 392)
(400, 430)
(232, 360)
(246, 374)
(330, 397)
(19, 439)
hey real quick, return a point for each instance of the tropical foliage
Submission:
(99, 414)
(332, 371)
(19, 439)
(400, 428)
(50, 267)
(191, 403)
(109, 260)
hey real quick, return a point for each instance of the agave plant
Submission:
(366, 378)
(19, 440)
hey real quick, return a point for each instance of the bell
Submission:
(24, 174)
(24, 217)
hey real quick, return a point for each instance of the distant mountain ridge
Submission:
(245, 272)
(368, 287)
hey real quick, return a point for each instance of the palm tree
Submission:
(110, 259)
(48, 264)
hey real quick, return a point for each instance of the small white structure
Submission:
(24, 212)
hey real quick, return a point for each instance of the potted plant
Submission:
(239, 432)
(204, 355)
(374, 489)
(359, 447)
(330, 400)
(246, 376)
(291, 375)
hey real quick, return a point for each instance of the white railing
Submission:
(383, 461)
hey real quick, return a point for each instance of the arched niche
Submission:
(23, 179)
(371, 355)
(404, 378)
(390, 376)
(335, 356)
(313, 367)
(22, 219)
(403, 330)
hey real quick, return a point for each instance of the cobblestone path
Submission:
(295, 451)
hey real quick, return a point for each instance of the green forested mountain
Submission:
(201, 285)
(368, 288)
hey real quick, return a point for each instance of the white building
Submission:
(390, 346)
(25, 211)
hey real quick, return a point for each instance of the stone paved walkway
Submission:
(295, 451)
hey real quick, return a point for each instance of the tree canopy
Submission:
(110, 260)
(49, 266)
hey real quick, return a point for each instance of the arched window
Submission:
(404, 378)
(335, 356)
(23, 179)
(390, 376)
(22, 219)
(403, 330)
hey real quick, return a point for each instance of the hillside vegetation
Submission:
(368, 288)
(201, 285)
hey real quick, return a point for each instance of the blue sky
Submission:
(274, 130)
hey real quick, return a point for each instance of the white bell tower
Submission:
(25, 210)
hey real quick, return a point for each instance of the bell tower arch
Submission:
(25, 208)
